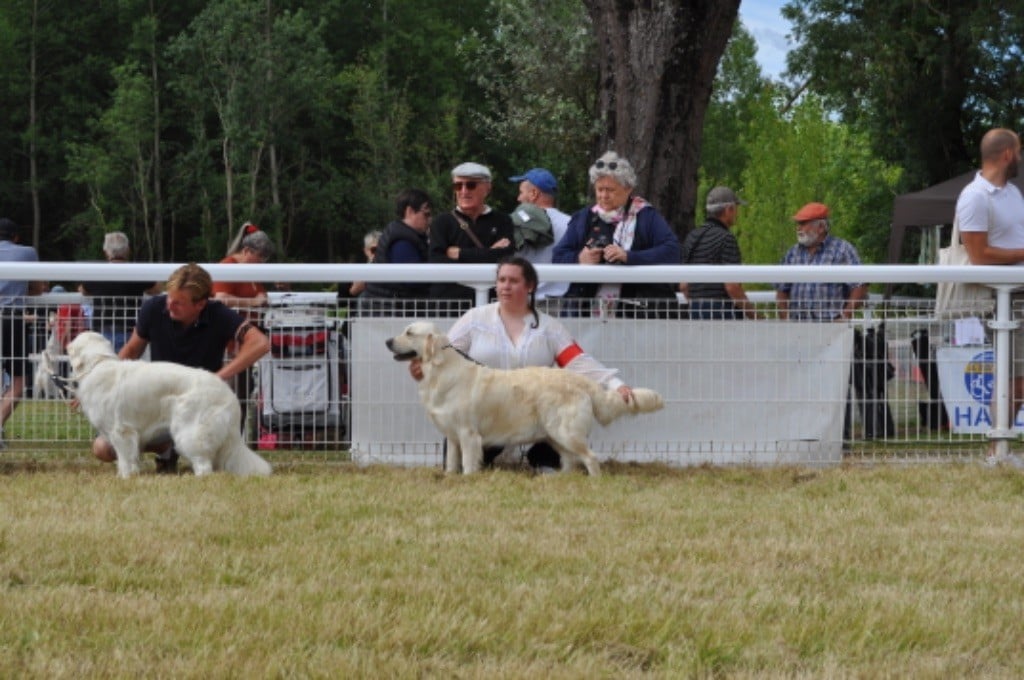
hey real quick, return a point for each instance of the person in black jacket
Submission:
(471, 233)
(713, 243)
(403, 241)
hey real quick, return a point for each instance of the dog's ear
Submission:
(76, 364)
(428, 347)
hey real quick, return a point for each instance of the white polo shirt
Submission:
(984, 207)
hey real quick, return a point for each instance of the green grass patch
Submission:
(646, 571)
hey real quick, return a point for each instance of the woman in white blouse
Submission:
(511, 333)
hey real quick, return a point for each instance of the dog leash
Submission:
(64, 386)
(463, 354)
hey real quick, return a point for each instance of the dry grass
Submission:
(334, 571)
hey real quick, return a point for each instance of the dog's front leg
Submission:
(126, 445)
(453, 456)
(472, 452)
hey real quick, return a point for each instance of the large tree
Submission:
(925, 79)
(657, 65)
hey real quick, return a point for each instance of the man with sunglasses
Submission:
(472, 232)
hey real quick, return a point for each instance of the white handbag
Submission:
(956, 299)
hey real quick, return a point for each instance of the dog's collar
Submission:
(78, 378)
(463, 354)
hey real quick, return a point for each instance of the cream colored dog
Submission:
(475, 406)
(135, 402)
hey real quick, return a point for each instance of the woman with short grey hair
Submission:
(620, 228)
(610, 164)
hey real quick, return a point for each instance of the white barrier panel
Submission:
(967, 381)
(770, 394)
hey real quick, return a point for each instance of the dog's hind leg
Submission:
(190, 442)
(577, 451)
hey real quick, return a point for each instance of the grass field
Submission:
(336, 571)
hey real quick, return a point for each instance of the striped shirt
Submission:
(712, 243)
(819, 301)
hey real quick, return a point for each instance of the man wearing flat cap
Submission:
(714, 243)
(815, 245)
(470, 233)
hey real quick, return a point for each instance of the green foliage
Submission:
(805, 156)
(536, 71)
(117, 167)
(254, 83)
(924, 80)
(739, 87)
(380, 118)
(779, 155)
(174, 121)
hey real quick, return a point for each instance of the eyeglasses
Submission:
(468, 186)
(601, 165)
(425, 210)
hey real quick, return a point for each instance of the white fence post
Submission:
(1003, 403)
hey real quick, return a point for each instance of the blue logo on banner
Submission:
(979, 378)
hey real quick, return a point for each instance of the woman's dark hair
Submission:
(530, 274)
(410, 198)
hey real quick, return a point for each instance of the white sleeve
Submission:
(972, 211)
(563, 344)
(584, 364)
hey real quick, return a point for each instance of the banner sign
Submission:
(967, 381)
(764, 394)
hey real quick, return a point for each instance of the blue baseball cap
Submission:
(540, 178)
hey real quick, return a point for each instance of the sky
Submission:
(762, 19)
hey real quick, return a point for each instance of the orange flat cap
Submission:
(811, 211)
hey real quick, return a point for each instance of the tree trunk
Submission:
(156, 250)
(33, 126)
(229, 189)
(658, 63)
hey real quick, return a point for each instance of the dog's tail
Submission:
(609, 404)
(241, 460)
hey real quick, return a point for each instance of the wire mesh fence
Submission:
(894, 384)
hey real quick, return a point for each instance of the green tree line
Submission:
(176, 121)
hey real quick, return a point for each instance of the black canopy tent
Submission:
(934, 205)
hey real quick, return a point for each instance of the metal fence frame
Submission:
(70, 434)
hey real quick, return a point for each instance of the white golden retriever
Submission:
(135, 402)
(475, 406)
